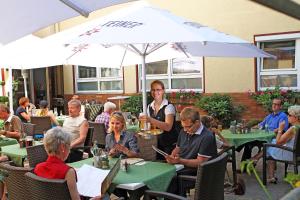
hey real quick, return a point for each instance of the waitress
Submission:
(161, 114)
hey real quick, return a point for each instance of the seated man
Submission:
(77, 126)
(270, 123)
(195, 145)
(13, 126)
(104, 117)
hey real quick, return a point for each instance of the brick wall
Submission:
(252, 109)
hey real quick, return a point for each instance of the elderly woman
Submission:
(44, 111)
(282, 138)
(119, 141)
(21, 110)
(57, 144)
(161, 114)
(77, 126)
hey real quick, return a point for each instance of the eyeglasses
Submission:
(156, 90)
(276, 104)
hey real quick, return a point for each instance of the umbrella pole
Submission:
(10, 91)
(144, 94)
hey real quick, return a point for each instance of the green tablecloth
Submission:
(7, 141)
(156, 175)
(15, 153)
(240, 139)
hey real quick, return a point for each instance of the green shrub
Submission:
(220, 107)
(134, 104)
(3, 99)
(265, 97)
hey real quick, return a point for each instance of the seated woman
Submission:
(210, 123)
(44, 111)
(283, 139)
(21, 110)
(57, 144)
(119, 141)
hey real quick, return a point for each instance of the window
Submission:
(176, 74)
(283, 70)
(98, 79)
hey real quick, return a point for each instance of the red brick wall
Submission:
(252, 109)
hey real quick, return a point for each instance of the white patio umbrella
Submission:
(20, 18)
(143, 29)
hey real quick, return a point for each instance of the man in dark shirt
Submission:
(195, 145)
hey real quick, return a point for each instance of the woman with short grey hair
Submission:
(57, 144)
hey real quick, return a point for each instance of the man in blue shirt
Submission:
(270, 123)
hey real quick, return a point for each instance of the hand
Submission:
(172, 159)
(2, 132)
(121, 148)
(112, 152)
(281, 126)
(145, 118)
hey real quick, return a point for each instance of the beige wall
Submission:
(237, 17)
(130, 79)
(68, 79)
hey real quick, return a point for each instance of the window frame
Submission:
(169, 76)
(98, 79)
(291, 71)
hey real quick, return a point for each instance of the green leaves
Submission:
(292, 179)
(265, 97)
(220, 107)
(248, 165)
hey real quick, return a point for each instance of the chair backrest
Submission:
(47, 189)
(15, 181)
(89, 137)
(42, 123)
(210, 179)
(29, 129)
(297, 144)
(145, 147)
(92, 111)
(99, 133)
(36, 154)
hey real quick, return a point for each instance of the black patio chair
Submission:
(15, 181)
(29, 129)
(42, 124)
(99, 133)
(296, 156)
(36, 154)
(209, 182)
(46, 189)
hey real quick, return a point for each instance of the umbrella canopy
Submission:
(20, 18)
(144, 29)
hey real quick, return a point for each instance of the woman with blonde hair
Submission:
(119, 141)
(44, 111)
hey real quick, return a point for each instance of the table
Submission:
(240, 139)
(154, 175)
(15, 153)
(4, 141)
